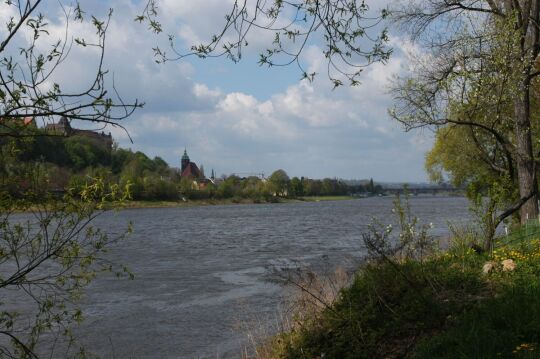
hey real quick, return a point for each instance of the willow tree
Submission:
(457, 156)
(477, 70)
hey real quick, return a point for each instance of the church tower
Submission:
(185, 160)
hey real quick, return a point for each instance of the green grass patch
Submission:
(521, 235)
(386, 311)
(506, 326)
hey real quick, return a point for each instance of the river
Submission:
(202, 273)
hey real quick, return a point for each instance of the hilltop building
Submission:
(63, 127)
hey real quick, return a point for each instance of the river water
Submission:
(202, 273)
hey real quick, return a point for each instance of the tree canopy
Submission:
(479, 74)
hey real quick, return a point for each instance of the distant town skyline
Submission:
(256, 173)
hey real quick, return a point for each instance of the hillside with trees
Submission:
(74, 161)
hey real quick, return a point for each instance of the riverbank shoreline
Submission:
(138, 204)
(146, 204)
(131, 204)
(221, 202)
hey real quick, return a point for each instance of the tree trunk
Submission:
(524, 152)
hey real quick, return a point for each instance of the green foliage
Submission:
(227, 188)
(297, 187)
(75, 152)
(522, 236)
(458, 154)
(157, 188)
(479, 90)
(505, 326)
(73, 161)
(278, 183)
(454, 155)
(254, 188)
(49, 254)
(119, 158)
(384, 312)
(84, 152)
(186, 187)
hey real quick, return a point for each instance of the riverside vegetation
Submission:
(73, 162)
(412, 300)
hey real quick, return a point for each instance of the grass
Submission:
(507, 325)
(442, 307)
(503, 324)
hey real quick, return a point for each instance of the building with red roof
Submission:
(190, 170)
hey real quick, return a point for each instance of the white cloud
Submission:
(307, 129)
(237, 102)
(203, 91)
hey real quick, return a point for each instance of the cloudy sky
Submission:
(242, 117)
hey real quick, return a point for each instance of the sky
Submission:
(240, 117)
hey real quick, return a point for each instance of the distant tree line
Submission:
(72, 162)
(277, 185)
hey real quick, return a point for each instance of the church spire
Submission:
(185, 160)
